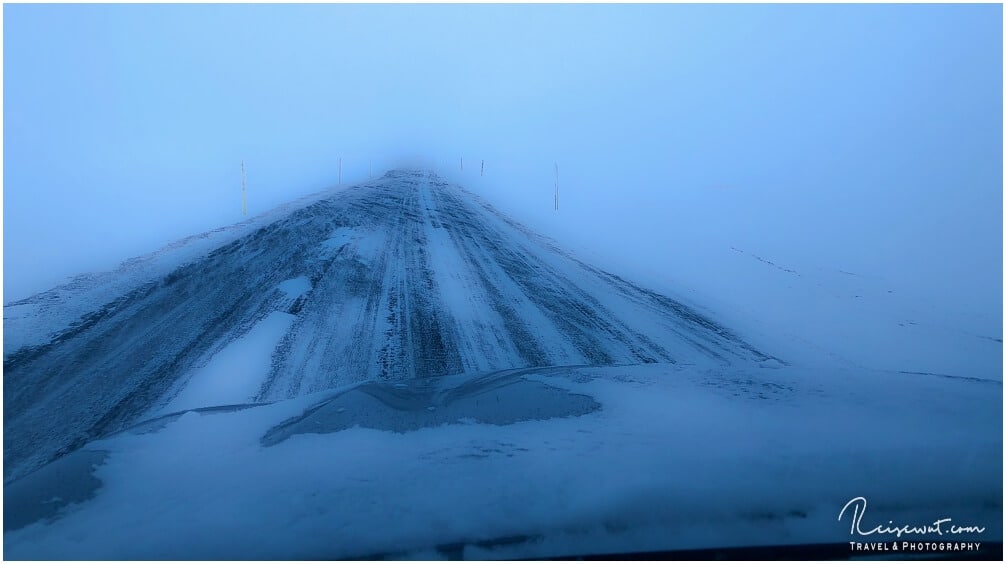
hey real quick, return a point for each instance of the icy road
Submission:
(399, 278)
(396, 370)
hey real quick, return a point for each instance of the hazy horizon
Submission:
(861, 137)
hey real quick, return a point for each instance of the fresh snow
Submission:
(670, 458)
(374, 320)
(295, 287)
(235, 374)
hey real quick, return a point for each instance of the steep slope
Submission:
(401, 278)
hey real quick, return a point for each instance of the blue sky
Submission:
(866, 137)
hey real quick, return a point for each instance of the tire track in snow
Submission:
(409, 278)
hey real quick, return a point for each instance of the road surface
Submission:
(401, 278)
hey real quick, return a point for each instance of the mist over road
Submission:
(399, 278)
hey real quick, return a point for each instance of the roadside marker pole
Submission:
(244, 193)
(556, 186)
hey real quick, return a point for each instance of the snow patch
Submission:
(235, 374)
(338, 238)
(295, 287)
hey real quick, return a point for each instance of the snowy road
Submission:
(400, 278)
(396, 370)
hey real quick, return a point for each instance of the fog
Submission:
(858, 138)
